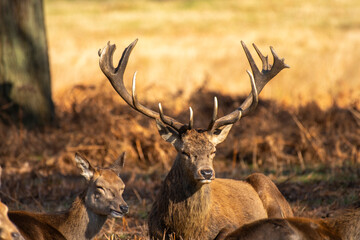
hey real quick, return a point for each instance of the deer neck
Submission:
(182, 185)
(80, 222)
(188, 202)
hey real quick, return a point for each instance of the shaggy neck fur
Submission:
(185, 203)
(79, 222)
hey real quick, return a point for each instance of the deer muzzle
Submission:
(206, 175)
(118, 214)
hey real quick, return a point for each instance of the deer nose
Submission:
(207, 173)
(124, 208)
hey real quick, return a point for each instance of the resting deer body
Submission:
(89, 211)
(192, 204)
(343, 227)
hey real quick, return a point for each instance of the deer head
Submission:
(196, 147)
(105, 189)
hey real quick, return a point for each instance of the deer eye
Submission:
(185, 154)
(100, 189)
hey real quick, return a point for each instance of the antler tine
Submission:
(238, 113)
(268, 72)
(116, 78)
(264, 59)
(255, 96)
(215, 111)
(170, 121)
(258, 81)
(133, 89)
(191, 121)
(162, 117)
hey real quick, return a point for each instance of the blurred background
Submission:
(305, 133)
(183, 44)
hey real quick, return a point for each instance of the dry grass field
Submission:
(305, 133)
(183, 44)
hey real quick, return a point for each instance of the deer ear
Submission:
(3, 208)
(118, 164)
(169, 134)
(219, 135)
(87, 170)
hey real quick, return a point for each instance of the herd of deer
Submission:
(192, 203)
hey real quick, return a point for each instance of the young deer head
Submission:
(88, 212)
(196, 147)
(104, 194)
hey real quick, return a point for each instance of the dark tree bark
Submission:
(24, 65)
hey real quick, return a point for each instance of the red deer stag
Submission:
(345, 226)
(89, 211)
(192, 204)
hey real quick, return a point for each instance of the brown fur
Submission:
(7, 229)
(274, 202)
(88, 213)
(189, 209)
(343, 227)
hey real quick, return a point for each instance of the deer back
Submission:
(346, 223)
(32, 227)
(284, 229)
(274, 202)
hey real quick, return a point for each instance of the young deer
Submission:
(89, 211)
(7, 229)
(343, 227)
(192, 204)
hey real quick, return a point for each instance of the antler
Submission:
(116, 78)
(258, 81)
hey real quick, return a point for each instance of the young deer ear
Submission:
(87, 170)
(118, 164)
(220, 134)
(169, 134)
(3, 208)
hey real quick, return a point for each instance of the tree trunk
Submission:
(24, 64)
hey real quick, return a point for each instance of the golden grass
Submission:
(184, 43)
